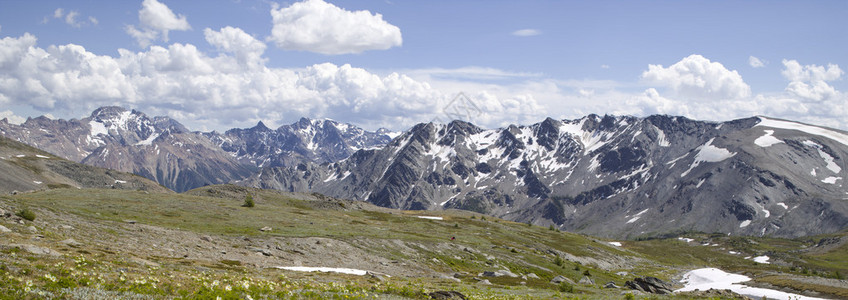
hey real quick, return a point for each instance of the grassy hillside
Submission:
(204, 243)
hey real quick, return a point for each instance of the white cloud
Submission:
(810, 81)
(698, 77)
(93, 20)
(155, 21)
(71, 18)
(247, 49)
(318, 26)
(755, 62)
(11, 117)
(605, 66)
(526, 32)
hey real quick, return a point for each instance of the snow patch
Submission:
(831, 180)
(833, 135)
(637, 216)
(37, 182)
(709, 153)
(326, 270)
(617, 244)
(119, 181)
(688, 240)
(430, 218)
(767, 139)
(783, 205)
(661, 140)
(761, 259)
(712, 278)
(744, 223)
(20, 155)
(41, 156)
(766, 212)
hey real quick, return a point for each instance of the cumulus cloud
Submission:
(11, 117)
(155, 21)
(526, 32)
(318, 26)
(246, 49)
(755, 62)
(698, 77)
(810, 81)
(233, 88)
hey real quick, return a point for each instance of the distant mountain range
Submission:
(622, 177)
(163, 150)
(611, 176)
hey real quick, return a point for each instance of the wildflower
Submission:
(228, 288)
(50, 277)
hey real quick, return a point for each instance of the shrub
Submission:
(551, 227)
(566, 287)
(586, 273)
(629, 296)
(558, 261)
(248, 201)
(26, 214)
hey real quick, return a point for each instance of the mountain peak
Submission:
(107, 112)
(261, 126)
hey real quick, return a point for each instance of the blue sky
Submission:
(396, 63)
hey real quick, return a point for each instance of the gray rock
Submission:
(649, 285)
(484, 282)
(447, 295)
(499, 273)
(36, 249)
(71, 242)
(586, 280)
(266, 228)
(206, 238)
(32, 229)
(532, 276)
(559, 279)
(611, 285)
(4, 229)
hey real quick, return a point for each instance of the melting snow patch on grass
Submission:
(688, 240)
(712, 278)
(761, 259)
(430, 218)
(617, 244)
(325, 269)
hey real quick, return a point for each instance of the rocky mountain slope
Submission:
(24, 168)
(621, 177)
(163, 150)
(304, 141)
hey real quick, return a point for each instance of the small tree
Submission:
(558, 261)
(248, 201)
(566, 287)
(551, 227)
(586, 273)
(26, 214)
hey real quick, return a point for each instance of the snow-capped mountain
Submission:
(162, 149)
(304, 141)
(611, 176)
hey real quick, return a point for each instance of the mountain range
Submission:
(622, 177)
(165, 151)
(610, 176)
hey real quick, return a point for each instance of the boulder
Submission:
(559, 279)
(649, 285)
(532, 276)
(500, 273)
(611, 285)
(266, 228)
(36, 249)
(447, 295)
(71, 242)
(484, 282)
(4, 229)
(586, 280)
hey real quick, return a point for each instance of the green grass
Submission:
(492, 244)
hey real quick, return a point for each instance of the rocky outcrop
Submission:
(649, 284)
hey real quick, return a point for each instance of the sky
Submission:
(219, 64)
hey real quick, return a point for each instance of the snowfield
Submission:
(712, 278)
